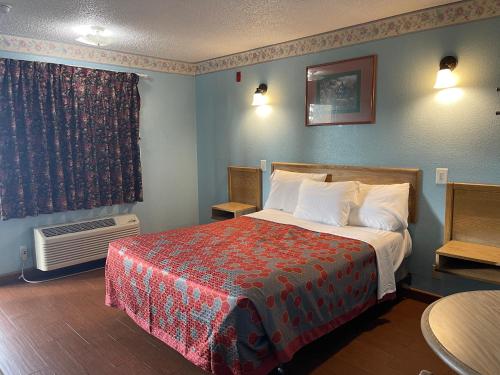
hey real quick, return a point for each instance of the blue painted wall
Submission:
(168, 153)
(413, 128)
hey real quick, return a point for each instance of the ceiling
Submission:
(196, 30)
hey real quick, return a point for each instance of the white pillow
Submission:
(285, 188)
(381, 206)
(326, 202)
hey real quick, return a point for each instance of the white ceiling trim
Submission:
(446, 15)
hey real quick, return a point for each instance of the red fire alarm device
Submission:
(238, 76)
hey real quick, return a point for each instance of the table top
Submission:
(233, 206)
(464, 331)
(471, 251)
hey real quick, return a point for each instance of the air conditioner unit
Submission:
(64, 245)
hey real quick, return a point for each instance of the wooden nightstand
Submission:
(230, 210)
(244, 185)
(472, 233)
(470, 260)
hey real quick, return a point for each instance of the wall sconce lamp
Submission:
(445, 77)
(259, 95)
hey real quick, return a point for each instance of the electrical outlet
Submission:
(23, 252)
(263, 165)
(441, 176)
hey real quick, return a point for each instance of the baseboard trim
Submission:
(37, 275)
(407, 291)
(10, 278)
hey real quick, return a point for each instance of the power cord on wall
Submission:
(22, 277)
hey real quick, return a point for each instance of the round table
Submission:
(464, 331)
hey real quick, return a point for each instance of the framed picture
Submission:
(341, 92)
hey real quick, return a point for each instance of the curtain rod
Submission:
(141, 75)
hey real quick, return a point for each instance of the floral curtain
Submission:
(69, 138)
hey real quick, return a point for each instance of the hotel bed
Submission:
(243, 295)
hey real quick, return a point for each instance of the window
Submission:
(69, 138)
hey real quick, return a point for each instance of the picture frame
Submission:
(341, 92)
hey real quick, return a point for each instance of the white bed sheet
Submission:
(390, 247)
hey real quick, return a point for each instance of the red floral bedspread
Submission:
(242, 295)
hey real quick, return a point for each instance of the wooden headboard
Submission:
(366, 175)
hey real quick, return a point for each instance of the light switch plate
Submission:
(263, 165)
(441, 176)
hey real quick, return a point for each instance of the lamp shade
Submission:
(445, 79)
(259, 99)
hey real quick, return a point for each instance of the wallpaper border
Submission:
(426, 19)
(12, 43)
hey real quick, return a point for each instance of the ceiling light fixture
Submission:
(5, 8)
(94, 36)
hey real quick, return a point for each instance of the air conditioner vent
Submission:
(68, 244)
(79, 227)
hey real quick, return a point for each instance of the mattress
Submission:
(243, 295)
(391, 247)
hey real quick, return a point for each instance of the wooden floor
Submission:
(63, 327)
